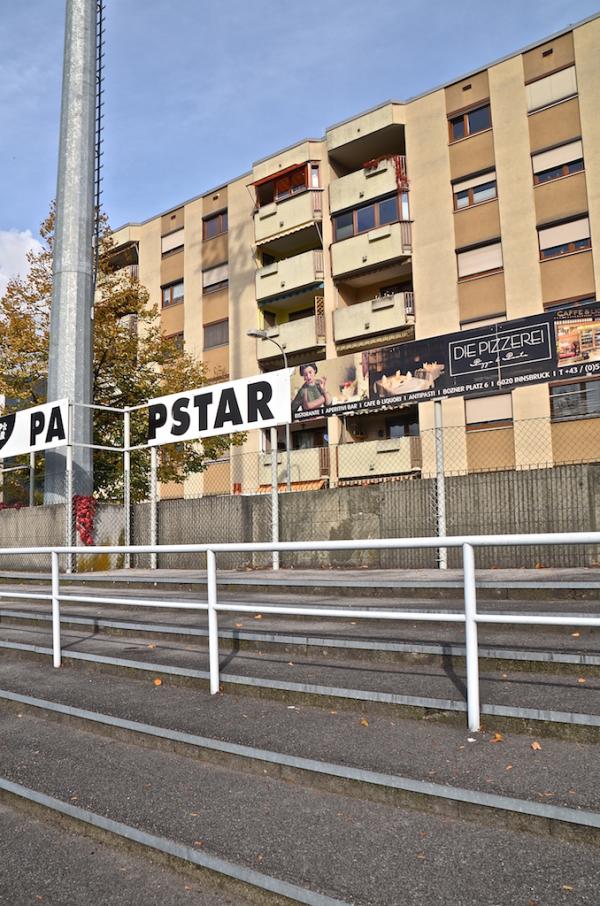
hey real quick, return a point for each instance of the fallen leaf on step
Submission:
(198, 842)
(151, 647)
(258, 616)
(497, 737)
(508, 767)
(575, 635)
(195, 814)
(333, 712)
(581, 680)
(157, 681)
(421, 856)
(290, 663)
(567, 887)
(364, 722)
(536, 746)
(238, 625)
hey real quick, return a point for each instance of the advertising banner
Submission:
(558, 345)
(30, 430)
(257, 402)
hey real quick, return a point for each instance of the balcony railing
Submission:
(306, 465)
(370, 459)
(294, 336)
(289, 274)
(357, 188)
(288, 215)
(379, 315)
(371, 249)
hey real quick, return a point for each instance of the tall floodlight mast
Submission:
(70, 356)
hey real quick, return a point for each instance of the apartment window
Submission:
(290, 182)
(564, 238)
(177, 340)
(216, 334)
(405, 424)
(171, 243)
(308, 439)
(557, 162)
(580, 399)
(469, 192)
(368, 217)
(172, 294)
(494, 411)
(214, 225)
(479, 260)
(215, 278)
(470, 123)
(552, 88)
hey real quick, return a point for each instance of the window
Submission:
(469, 192)
(564, 238)
(557, 162)
(308, 439)
(216, 334)
(481, 322)
(214, 225)
(479, 260)
(470, 122)
(405, 424)
(215, 278)
(581, 399)
(551, 89)
(369, 216)
(172, 294)
(494, 409)
(290, 182)
(177, 340)
(173, 242)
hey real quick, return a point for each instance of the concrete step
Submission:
(323, 846)
(552, 701)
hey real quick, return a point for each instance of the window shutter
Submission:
(565, 232)
(475, 181)
(496, 408)
(547, 160)
(172, 241)
(219, 274)
(476, 261)
(552, 88)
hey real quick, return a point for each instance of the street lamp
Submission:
(264, 335)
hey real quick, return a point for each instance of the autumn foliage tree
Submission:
(133, 362)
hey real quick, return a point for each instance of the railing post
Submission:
(69, 507)
(274, 497)
(55, 610)
(32, 479)
(153, 505)
(127, 483)
(213, 622)
(471, 638)
(440, 484)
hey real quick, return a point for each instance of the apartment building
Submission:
(473, 203)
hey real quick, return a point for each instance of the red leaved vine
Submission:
(85, 510)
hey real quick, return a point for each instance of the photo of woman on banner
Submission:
(313, 393)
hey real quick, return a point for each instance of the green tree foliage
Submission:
(133, 362)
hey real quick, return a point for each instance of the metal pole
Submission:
(69, 506)
(32, 479)
(288, 458)
(55, 610)
(70, 352)
(213, 625)
(127, 483)
(440, 484)
(274, 497)
(471, 638)
(153, 505)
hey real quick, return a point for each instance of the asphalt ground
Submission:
(42, 863)
(559, 772)
(534, 690)
(366, 853)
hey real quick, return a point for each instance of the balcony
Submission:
(376, 316)
(378, 458)
(373, 249)
(368, 135)
(366, 184)
(280, 218)
(289, 275)
(306, 465)
(294, 336)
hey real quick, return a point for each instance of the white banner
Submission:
(41, 428)
(261, 401)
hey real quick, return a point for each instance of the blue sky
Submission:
(196, 90)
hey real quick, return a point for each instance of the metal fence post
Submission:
(127, 483)
(440, 484)
(471, 638)
(55, 610)
(274, 497)
(213, 623)
(69, 507)
(32, 479)
(153, 505)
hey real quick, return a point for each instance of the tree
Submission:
(133, 362)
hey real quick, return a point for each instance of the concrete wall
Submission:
(41, 526)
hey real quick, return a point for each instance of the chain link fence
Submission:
(535, 475)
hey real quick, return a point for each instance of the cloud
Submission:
(14, 245)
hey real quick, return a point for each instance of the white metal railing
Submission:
(470, 616)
